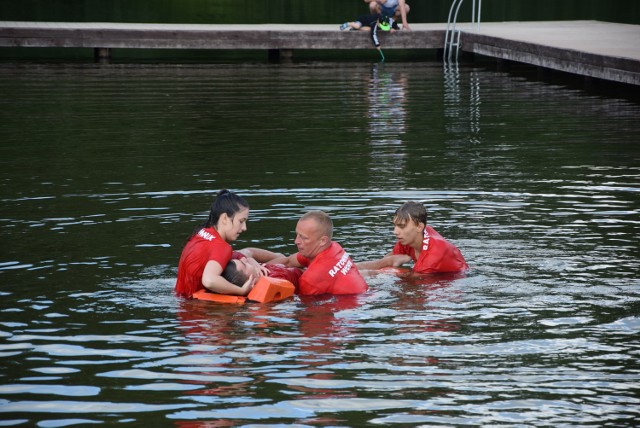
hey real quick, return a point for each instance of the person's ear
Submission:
(324, 240)
(224, 219)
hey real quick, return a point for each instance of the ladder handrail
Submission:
(451, 33)
(452, 36)
(448, 32)
(473, 13)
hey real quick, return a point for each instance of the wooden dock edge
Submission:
(280, 40)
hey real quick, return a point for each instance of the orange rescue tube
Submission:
(271, 290)
(265, 290)
(220, 298)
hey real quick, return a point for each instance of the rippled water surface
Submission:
(106, 170)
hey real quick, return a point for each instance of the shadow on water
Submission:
(105, 171)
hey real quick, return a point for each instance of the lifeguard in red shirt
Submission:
(420, 243)
(329, 269)
(208, 251)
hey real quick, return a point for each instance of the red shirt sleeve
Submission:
(303, 260)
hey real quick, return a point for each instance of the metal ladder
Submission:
(452, 36)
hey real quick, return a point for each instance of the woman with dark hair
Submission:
(208, 251)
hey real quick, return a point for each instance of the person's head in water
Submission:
(409, 222)
(410, 212)
(228, 215)
(238, 271)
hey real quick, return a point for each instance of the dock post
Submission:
(278, 55)
(102, 55)
(273, 55)
(286, 55)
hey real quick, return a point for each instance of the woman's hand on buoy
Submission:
(264, 271)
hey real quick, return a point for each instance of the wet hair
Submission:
(410, 211)
(233, 275)
(324, 221)
(226, 202)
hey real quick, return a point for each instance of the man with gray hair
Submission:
(329, 269)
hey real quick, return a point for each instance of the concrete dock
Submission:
(201, 36)
(595, 49)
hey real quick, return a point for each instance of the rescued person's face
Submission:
(246, 268)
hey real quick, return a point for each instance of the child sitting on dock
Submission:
(397, 9)
(372, 23)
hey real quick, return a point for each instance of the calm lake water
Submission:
(106, 170)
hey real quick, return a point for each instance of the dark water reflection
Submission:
(105, 170)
